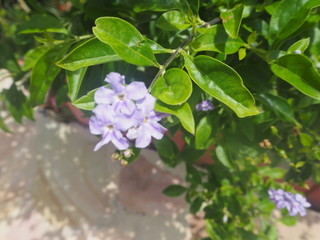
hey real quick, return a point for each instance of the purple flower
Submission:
(146, 123)
(109, 124)
(125, 114)
(121, 97)
(205, 105)
(294, 203)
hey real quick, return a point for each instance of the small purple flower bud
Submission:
(294, 203)
(297, 51)
(205, 105)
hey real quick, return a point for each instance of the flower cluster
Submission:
(125, 114)
(294, 203)
(205, 105)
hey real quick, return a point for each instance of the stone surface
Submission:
(53, 186)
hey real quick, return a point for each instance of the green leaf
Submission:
(157, 48)
(223, 157)
(300, 45)
(173, 88)
(189, 7)
(86, 102)
(231, 20)
(173, 21)
(17, 104)
(191, 155)
(126, 40)
(277, 173)
(298, 70)
(203, 133)
(146, 5)
(33, 55)
(168, 151)
(242, 53)
(183, 112)
(222, 82)
(279, 105)
(288, 16)
(91, 52)
(3, 126)
(42, 23)
(195, 205)
(306, 140)
(44, 72)
(74, 82)
(288, 220)
(174, 190)
(216, 39)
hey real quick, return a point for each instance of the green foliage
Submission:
(173, 88)
(257, 61)
(126, 40)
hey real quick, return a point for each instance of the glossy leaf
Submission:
(44, 72)
(222, 82)
(74, 82)
(173, 88)
(17, 104)
(174, 190)
(91, 52)
(86, 102)
(189, 7)
(216, 39)
(223, 157)
(279, 105)
(300, 46)
(203, 133)
(288, 16)
(298, 70)
(183, 112)
(126, 40)
(42, 23)
(168, 151)
(157, 48)
(173, 21)
(231, 20)
(33, 55)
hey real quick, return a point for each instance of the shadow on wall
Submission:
(53, 186)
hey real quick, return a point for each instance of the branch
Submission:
(177, 51)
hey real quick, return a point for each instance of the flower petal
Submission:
(123, 122)
(136, 90)
(127, 107)
(104, 113)
(132, 133)
(105, 140)
(157, 131)
(116, 81)
(146, 104)
(119, 141)
(95, 126)
(104, 95)
(144, 138)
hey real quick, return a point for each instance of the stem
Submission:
(177, 51)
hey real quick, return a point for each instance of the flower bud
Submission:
(123, 163)
(115, 156)
(128, 152)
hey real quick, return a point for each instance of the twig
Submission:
(177, 51)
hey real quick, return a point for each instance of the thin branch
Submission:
(177, 51)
